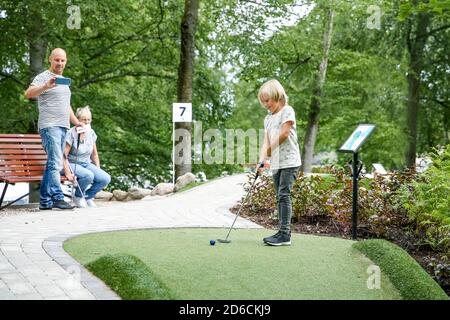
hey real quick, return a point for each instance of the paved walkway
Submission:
(33, 264)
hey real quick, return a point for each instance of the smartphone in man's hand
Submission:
(63, 81)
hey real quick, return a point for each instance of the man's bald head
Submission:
(58, 51)
(57, 59)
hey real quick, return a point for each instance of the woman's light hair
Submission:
(83, 111)
(273, 89)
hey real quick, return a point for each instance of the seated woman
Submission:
(83, 153)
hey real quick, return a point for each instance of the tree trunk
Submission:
(415, 48)
(314, 113)
(37, 42)
(183, 162)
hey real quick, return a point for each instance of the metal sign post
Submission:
(352, 145)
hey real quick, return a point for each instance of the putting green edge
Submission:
(129, 277)
(410, 279)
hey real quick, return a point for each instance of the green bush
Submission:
(309, 196)
(262, 200)
(428, 203)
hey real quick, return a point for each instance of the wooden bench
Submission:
(22, 159)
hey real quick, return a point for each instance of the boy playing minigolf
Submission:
(281, 147)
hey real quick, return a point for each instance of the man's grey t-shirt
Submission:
(54, 103)
(85, 148)
(287, 155)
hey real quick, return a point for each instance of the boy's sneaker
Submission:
(272, 238)
(80, 202)
(61, 204)
(91, 203)
(279, 239)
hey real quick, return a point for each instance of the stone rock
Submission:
(162, 189)
(104, 195)
(184, 180)
(120, 195)
(138, 193)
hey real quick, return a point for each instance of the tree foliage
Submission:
(123, 61)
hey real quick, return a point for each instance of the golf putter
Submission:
(74, 172)
(243, 202)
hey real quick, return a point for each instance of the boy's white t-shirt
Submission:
(287, 154)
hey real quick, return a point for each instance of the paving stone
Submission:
(12, 277)
(37, 280)
(21, 288)
(58, 298)
(31, 296)
(70, 284)
(6, 268)
(6, 294)
(48, 291)
(80, 295)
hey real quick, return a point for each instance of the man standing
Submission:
(55, 112)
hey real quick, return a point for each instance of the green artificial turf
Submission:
(129, 277)
(412, 281)
(183, 262)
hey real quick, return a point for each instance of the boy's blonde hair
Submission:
(83, 111)
(273, 89)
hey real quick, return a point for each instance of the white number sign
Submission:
(182, 112)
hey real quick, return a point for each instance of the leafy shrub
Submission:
(441, 270)
(378, 210)
(262, 199)
(309, 197)
(428, 203)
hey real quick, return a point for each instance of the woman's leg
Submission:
(84, 177)
(100, 180)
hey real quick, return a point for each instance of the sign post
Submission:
(352, 145)
(181, 112)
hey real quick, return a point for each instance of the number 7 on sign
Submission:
(182, 112)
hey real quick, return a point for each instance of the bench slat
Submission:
(24, 151)
(23, 162)
(23, 157)
(22, 173)
(21, 168)
(22, 179)
(20, 135)
(13, 180)
(21, 140)
(20, 146)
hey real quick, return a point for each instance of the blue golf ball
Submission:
(212, 242)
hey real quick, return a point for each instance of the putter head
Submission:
(223, 241)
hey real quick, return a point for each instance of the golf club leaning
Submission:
(243, 202)
(75, 182)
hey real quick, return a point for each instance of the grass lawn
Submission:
(183, 265)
